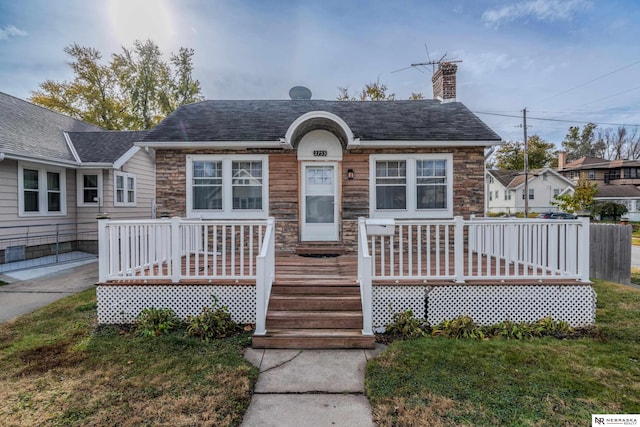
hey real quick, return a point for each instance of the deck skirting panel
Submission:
(488, 305)
(119, 304)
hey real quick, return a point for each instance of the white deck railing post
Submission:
(176, 250)
(265, 275)
(364, 278)
(458, 246)
(583, 249)
(103, 250)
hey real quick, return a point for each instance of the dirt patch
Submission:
(45, 358)
(396, 412)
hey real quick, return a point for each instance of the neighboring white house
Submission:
(505, 192)
(57, 173)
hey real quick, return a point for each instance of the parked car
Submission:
(557, 215)
(545, 215)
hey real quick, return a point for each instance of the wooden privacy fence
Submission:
(610, 252)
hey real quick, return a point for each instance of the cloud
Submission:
(542, 10)
(11, 31)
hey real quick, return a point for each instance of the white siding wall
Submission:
(498, 204)
(44, 224)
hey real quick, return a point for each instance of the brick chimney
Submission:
(444, 82)
(562, 160)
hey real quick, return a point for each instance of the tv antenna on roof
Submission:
(419, 65)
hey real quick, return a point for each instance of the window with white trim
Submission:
(125, 189)
(89, 186)
(411, 186)
(41, 190)
(233, 186)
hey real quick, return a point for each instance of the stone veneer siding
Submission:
(468, 187)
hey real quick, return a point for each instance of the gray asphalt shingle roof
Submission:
(613, 190)
(33, 131)
(268, 120)
(105, 146)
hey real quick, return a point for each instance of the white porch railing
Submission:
(179, 249)
(364, 278)
(266, 273)
(461, 250)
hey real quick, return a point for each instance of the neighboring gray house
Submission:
(57, 173)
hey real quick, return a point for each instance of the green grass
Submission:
(58, 368)
(448, 382)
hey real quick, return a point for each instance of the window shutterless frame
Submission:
(227, 186)
(427, 181)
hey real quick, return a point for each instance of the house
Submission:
(618, 180)
(317, 220)
(506, 194)
(57, 175)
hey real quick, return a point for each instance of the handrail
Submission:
(364, 278)
(265, 275)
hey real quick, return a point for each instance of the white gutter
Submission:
(212, 144)
(63, 163)
(283, 143)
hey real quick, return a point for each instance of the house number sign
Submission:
(319, 153)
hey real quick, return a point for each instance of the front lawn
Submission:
(446, 382)
(58, 369)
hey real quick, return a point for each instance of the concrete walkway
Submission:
(309, 388)
(31, 289)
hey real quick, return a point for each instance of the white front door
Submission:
(319, 202)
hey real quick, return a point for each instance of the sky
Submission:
(568, 62)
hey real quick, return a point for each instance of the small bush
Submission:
(152, 322)
(465, 327)
(459, 327)
(212, 323)
(406, 326)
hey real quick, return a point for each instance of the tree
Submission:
(510, 156)
(583, 143)
(93, 96)
(373, 91)
(581, 200)
(620, 143)
(134, 91)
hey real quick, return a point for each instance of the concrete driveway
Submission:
(31, 289)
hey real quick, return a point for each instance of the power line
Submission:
(556, 120)
(588, 82)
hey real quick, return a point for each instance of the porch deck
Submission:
(492, 271)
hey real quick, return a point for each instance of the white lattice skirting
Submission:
(121, 304)
(487, 304)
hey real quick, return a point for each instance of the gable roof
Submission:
(30, 131)
(504, 176)
(514, 179)
(104, 146)
(269, 120)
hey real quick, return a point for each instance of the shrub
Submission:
(212, 323)
(459, 327)
(405, 325)
(152, 322)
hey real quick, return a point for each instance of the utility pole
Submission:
(526, 164)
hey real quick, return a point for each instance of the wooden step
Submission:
(315, 302)
(314, 319)
(314, 290)
(313, 338)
